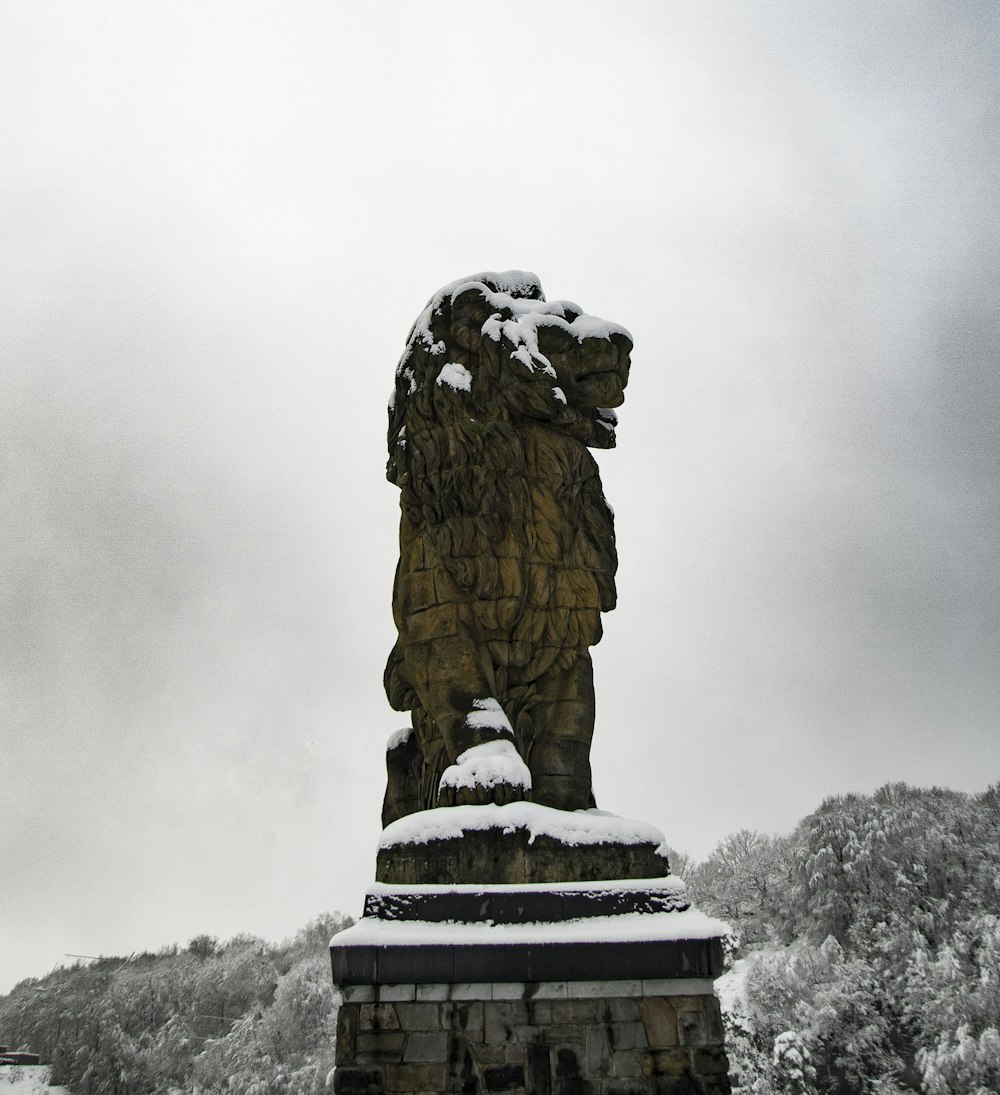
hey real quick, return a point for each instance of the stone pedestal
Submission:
(517, 844)
(604, 1037)
(551, 988)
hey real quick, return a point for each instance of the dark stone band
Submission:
(549, 906)
(498, 857)
(530, 962)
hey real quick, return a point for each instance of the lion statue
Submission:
(506, 543)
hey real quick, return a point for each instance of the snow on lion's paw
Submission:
(492, 772)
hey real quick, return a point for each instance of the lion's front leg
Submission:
(562, 725)
(415, 758)
(490, 771)
(457, 690)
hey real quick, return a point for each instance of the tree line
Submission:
(243, 1017)
(868, 941)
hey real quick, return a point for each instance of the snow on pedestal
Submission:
(571, 828)
(519, 843)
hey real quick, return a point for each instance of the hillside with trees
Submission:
(865, 961)
(868, 946)
(245, 1018)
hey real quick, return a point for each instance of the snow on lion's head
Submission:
(493, 340)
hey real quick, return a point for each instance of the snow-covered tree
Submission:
(745, 881)
(241, 1017)
(890, 984)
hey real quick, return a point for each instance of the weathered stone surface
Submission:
(463, 1015)
(379, 1045)
(358, 1081)
(435, 991)
(407, 1079)
(628, 1036)
(659, 1018)
(691, 1028)
(347, 1026)
(716, 1031)
(539, 1011)
(666, 1062)
(547, 990)
(418, 1016)
(507, 551)
(711, 1059)
(552, 903)
(378, 1017)
(504, 1078)
(399, 968)
(498, 1024)
(497, 1053)
(398, 992)
(626, 1062)
(574, 1011)
(533, 1047)
(426, 1046)
(682, 1084)
(357, 994)
(622, 1011)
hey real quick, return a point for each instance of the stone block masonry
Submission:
(622, 1038)
(564, 989)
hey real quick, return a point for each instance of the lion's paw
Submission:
(492, 772)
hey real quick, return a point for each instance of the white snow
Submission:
(489, 763)
(526, 316)
(487, 714)
(729, 987)
(511, 281)
(486, 765)
(28, 1080)
(627, 927)
(398, 738)
(573, 827)
(668, 886)
(408, 374)
(523, 334)
(456, 376)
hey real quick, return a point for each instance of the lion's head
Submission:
(490, 344)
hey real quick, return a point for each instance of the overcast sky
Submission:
(217, 222)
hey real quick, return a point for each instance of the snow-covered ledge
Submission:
(520, 842)
(572, 828)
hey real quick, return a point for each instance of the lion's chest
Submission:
(514, 548)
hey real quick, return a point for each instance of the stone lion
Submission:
(507, 547)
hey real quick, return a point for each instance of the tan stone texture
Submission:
(507, 551)
(522, 1047)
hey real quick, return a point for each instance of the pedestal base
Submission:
(654, 1037)
(612, 996)
(528, 950)
(520, 843)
